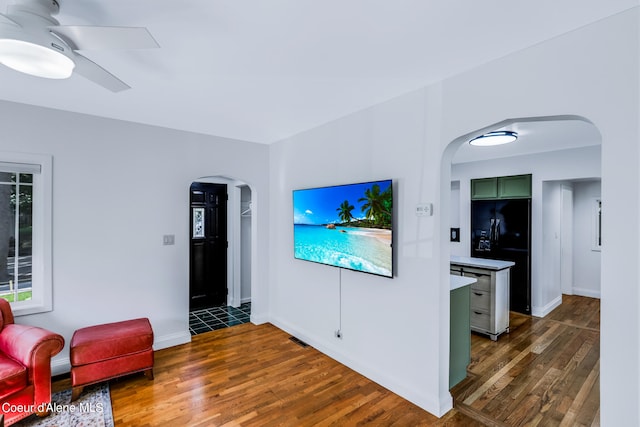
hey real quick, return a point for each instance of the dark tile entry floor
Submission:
(210, 319)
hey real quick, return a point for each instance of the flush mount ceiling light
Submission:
(494, 138)
(35, 60)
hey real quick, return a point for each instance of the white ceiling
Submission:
(534, 137)
(264, 70)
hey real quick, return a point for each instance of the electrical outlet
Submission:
(339, 334)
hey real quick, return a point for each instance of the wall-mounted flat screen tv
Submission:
(347, 226)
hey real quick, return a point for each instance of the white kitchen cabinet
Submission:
(489, 310)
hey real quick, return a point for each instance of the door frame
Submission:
(234, 250)
(446, 158)
(566, 239)
(206, 287)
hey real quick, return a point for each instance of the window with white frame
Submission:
(25, 232)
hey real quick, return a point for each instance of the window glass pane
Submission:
(25, 220)
(16, 213)
(7, 177)
(24, 212)
(7, 237)
(25, 232)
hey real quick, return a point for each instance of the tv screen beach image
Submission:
(347, 226)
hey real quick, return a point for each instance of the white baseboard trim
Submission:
(258, 319)
(171, 340)
(433, 404)
(446, 404)
(543, 311)
(586, 293)
(61, 364)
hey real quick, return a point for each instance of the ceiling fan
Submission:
(33, 42)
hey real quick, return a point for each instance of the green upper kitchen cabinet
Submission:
(502, 187)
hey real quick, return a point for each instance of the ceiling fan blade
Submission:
(92, 71)
(4, 19)
(88, 37)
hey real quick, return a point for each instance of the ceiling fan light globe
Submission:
(35, 60)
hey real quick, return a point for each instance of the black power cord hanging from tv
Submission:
(339, 331)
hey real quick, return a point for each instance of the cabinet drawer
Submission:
(480, 320)
(480, 299)
(483, 280)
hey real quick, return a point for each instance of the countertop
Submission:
(460, 281)
(490, 264)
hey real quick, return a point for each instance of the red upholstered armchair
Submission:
(25, 367)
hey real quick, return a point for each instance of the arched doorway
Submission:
(222, 213)
(564, 160)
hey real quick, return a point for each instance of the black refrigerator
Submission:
(501, 229)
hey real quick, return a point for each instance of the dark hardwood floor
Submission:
(545, 372)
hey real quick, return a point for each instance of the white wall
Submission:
(118, 188)
(389, 326)
(560, 77)
(577, 163)
(586, 260)
(396, 331)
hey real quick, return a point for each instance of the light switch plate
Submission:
(424, 209)
(168, 239)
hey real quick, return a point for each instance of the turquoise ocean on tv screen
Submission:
(360, 249)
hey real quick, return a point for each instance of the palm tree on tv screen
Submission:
(377, 205)
(344, 211)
